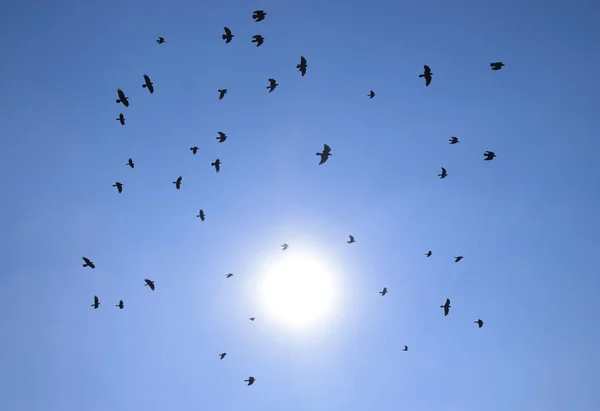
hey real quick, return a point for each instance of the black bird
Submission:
(227, 36)
(427, 74)
(250, 380)
(222, 93)
(148, 84)
(222, 136)
(252, 318)
(272, 84)
(489, 155)
(383, 292)
(443, 174)
(371, 94)
(351, 240)
(497, 65)
(446, 307)
(194, 149)
(228, 275)
(160, 40)
(130, 163)
(121, 119)
(120, 305)
(284, 247)
(149, 283)
(405, 348)
(122, 98)
(302, 66)
(222, 355)
(429, 253)
(457, 259)
(201, 215)
(88, 263)
(177, 183)
(325, 154)
(258, 39)
(479, 323)
(216, 165)
(453, 140)
(96, 302)
(119, 186)
(259, 15)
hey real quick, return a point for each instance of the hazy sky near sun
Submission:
(525, 222)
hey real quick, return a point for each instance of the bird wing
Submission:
(323, 159)
(326, 149)
(443, 170)
(427, 69)
(302, 61)
(95, 299)
(147, 79)
(227, 31)
(427, 80)
(179, 180)
(86, 260)
(351, 238)
(448, 302)
(217, 167)
(446, 310)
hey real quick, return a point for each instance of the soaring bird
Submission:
(250, 380)
(489, 155)
(446, 307)
(194, 149)
(222, 136)
(258, 39)
(427, 74)
(227, 36)
(453, 140)
(228, 275)
(252, 318)
(96, 302)
(130, 163)
(122, 98)
(302, 66)
(160, 40)
(222, 93)
(497, 65)
(272, 84)
(351, 240)
(119, 186)
(371, 94)
(201, 215)
(429, 253)
(405, 348)
(120, 305)
(222, 355)
(383, 292)
(457, 259)
(88, 263)
(177, 183)
(216, 165)
(121, 119)
(443, 174)
(258, 15)
(148, 84)
(149, 283)
(325, 154)
(479, 323)
(284, 247)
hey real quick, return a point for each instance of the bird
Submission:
(427, 74)
(222, 93)
(148, 84)
(272, 84)
(88, 263)
(149, 283)
(201, 215)
(479, 323)
(216, 165)
(497, 65)
(453, 140)
(351, 240)
(325, 154)
(250, 380)
(120, 305)
(457, 259)
(446, 307)
(258, 15)
(119, 186)
(405, 348)
(222, 355)
(284, 247)
(121, 119)
(429, 253)
(177, 183)
(160, 40)
(489, 155)
(227, 36)
(222, 136)
(258, 39)
(96, 302)
(228, 275)
(371, 94)
(122, 98)
(130, 163)
(194, 149)
(302, 66)
(252, 318)
(383, 292)
(443, 174)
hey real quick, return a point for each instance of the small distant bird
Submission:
(302, 66)
(383, 292)
(222, 355)
(216, 165)
(489, 155)
(446, 307)
(119, 186)
(457, 259)
(88, 263)
(258, 39)
(121, 119)
(443, 174)
(229, 275)
(222, 136)
(120, 305)
(222, 93)
(429, 253)
(201, 215)
(325, 154)
(371, 94)
(130, 163)
(177, 183)
(148, 84)
(284, 247)
(405, 348)
(250, 380)
(497, 65)
(194, 149)
(252, 318)
(351, 240)
(259, 15)
(427, 74)
(122, 98)
(453, 140)
(227, 36)
(272, 84)
(96, 302)
(479, 323)
(149, 283)
(160, 40)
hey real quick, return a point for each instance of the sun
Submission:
(299, 290)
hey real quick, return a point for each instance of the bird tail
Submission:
(118, 101)
(212, 164)
(144, 86)
(224, 36)
(421, 75)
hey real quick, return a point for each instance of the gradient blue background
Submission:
(526, 222)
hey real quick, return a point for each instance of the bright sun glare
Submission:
(299, 290)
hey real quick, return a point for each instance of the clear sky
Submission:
(526, 222)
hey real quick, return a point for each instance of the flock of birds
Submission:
(259, 15)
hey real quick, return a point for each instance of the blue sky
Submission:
(526, 222)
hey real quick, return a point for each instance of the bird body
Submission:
(217, 165)
(383, 292)
(130, 163)
(194, 149)
(429, 253)
(479, 323)
(96, 302)
(122, 98)
(250, 380)
(497, 65)
(489, 155)
(222, 93)
(427, 74)
(121, 119)
(149, 283)
(405, 348)
(228, 275)
(201, 215)
(148, 84)
(120, 305)
(160, 40)
(371, 94)
(177, 183)
(272, 84)
(259, 15)
(446, 307)
(350, 239)
(457, 259)
(284, 247)
(443, 173)
(222, 355)
(453, 140)
(222, 136)
(302, 66)
(325, 154)
(227, 36)
(258, 39)
(119, 186)
(88, 263)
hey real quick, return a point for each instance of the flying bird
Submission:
(284, 247)
(489, 155)
(222, 355)
(122, 98)
(250, 380)
(222, 93)
(130, 163)
(446, 307)
(258, 39)
(216, 165)
(383, 292)
(229, 275)
(427, 74)
(443, 174)
(194, 149)
(252, 318)
(405, 348)
(120, 305)
(453, 140)
(96, 302)
(302, 66)
(272, 84)
(160, 40)
(457, 259)
(88, 263)
(119, 186)
(121, 119)
(371, 94)
(227, 36)
(222, 136)
(351, 240)
(201, 215)
(479, 323)
(259, 15)
(497, 65)
(148, 84)
(149, 283)
(325, 154)
(177, 183)
(429, 253)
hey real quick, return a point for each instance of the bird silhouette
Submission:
(130, 163)
(222, 355)
(351, 240)
(177, 183)
(272, 84)
(383, 292)
(222, 136)
(457, 259)
(216, 165)
(446, 307)
(96, 302)
(302, 66)
(284, 247)
(194, 149)
(453, 140)
(122, 98)
(427, 74)
(120, 305)
(148, 84)
(258, 39)
(228, 275)
(489, 155)
(149, 283)
(119, 186)
(405, 348)
(479, 323)
(160, 40)
(88, 263)
(325, 154)
(258, 15)
(250, 380)
(222, 93)
(497, 65)
(443, 174)
(252, 318)
(227, 36)
(201, 215)
(371, 94)
(429, 253)
(121, 119)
